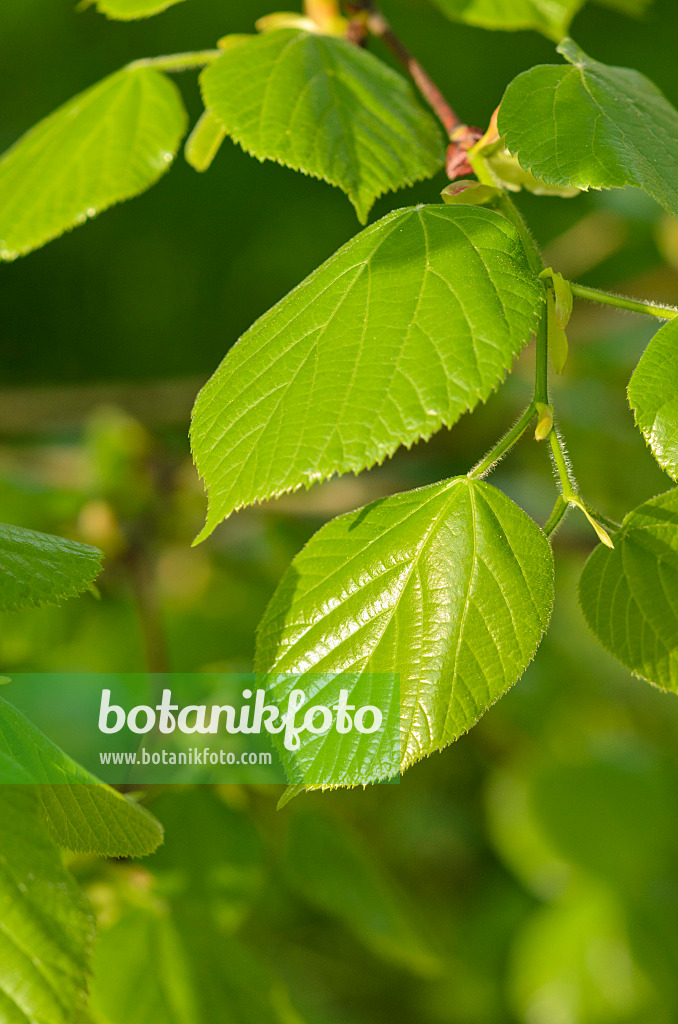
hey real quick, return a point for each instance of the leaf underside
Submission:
(550, 17)
(593, 126)
(404, 329)
(653, 396)
(38, 568)
(107, 144)
(130, 10)
(629, 595)
(82, 813)
(450, 587)
(47, 930)
(323, 106)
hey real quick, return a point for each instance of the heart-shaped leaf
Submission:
(448, 588)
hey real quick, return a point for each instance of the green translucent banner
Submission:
(142, 729)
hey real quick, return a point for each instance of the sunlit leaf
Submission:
(653, 395)
(566, 954)
(82, 813)
(629, 595)
(47, 929)
(403, 330)
(128, 10)
(107, 144)
(323, 106)
(550, 17)
(593, 126)
(450, 587)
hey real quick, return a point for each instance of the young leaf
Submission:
(129, 10)
(107, 144)
(203, 143)
(405, 328)
(82, 813)
(628, 594)
(550, 17)
(593, 126)
(653, 395)
(449, 586)
(47, 929)
(37, 568)
(557, 338)
(323, 106)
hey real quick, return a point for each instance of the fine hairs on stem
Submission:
(504, 445)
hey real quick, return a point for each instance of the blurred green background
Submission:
(527, 874)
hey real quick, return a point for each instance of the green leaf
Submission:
(328, 866)
(403, 330)
(97, 819)
(611, 810)
(550, 17)
(629, 594)
(140, 972)
(557, 957)
(323, 106)
(107, 144)
(37, 568)
(212, 862)
(47, 929)
(593, 126)
(653, 395)
(129, 10)
(449, 586)
(557, 338)
(82, 813)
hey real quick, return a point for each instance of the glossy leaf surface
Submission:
(449, 586)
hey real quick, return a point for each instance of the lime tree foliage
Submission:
(406, 328)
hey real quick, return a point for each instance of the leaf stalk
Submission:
(507, 442)
(622, 302)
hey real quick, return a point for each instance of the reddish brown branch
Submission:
(460, 135)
